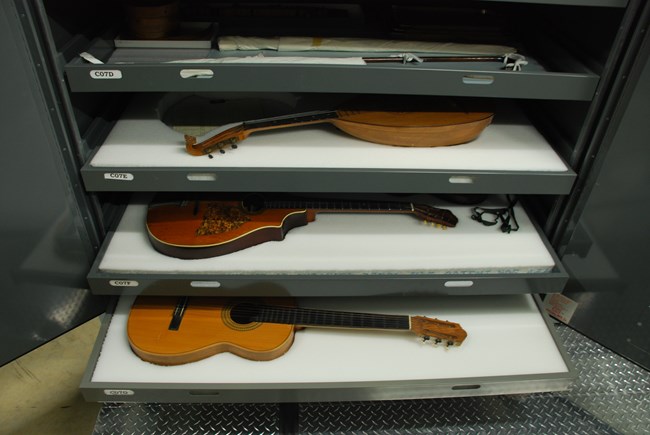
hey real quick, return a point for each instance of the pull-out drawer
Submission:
(143, 153)
(129, 70)
(340, 254)
(510, 348)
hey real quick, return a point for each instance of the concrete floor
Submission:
(40, 390)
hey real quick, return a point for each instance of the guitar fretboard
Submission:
(341, 205)
(313, 317)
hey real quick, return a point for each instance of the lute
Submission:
(209, 228)
(408, 129)
(172, 331)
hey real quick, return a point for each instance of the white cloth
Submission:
(294, 44)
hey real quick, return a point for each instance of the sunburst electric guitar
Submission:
(204, 228)
(172, 331)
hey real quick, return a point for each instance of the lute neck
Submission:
(231, 136)
(287, 120)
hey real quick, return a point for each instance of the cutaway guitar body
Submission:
(213, 228)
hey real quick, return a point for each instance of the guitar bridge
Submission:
(178, 314)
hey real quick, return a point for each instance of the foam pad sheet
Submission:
(140, 140)
(507, 336)
(348, 243)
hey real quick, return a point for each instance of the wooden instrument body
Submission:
(414, 129)
(206, 329)
(406, 128)
(172, 228)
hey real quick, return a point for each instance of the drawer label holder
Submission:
(105, 74)
(119, 176)
(119, 392)
(123, 283)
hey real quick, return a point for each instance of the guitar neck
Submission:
(343, 206)
(427, 213)
(322, 318)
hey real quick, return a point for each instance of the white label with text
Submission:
(123, 283)
(105, 74)
(119, 392)
(121, 176)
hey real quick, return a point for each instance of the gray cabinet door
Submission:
(607, 255)
(46, 248)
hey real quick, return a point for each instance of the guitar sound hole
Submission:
(245, 313)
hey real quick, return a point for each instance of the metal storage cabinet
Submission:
(567, 91)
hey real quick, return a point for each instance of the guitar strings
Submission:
(438, 215)
(296, 315)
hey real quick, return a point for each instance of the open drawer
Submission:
(510, 348)
(143, 153)
(341, 254)
(133, 70)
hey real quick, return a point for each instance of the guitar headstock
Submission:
(438, 331)
(435, 215)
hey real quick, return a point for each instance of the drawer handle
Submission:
(205, 284)
(197, 73)
(457, 284)
(465, 387)
(478, 80)
(461, 179)
(201, 177)
(204, 393)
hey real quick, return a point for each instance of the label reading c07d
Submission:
(105, 74)
(120, 176)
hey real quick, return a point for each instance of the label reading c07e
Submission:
(105, 74)
(123, 283)
(120, 176)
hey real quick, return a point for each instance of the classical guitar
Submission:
(206, 228)
(171, 331)
(408, 129)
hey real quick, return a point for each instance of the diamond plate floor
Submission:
(610, 396)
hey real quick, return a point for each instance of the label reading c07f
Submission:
(105, 74)
(120, 176)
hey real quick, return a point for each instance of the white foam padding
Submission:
(354, 243)
(139, 139)
(507, 336)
